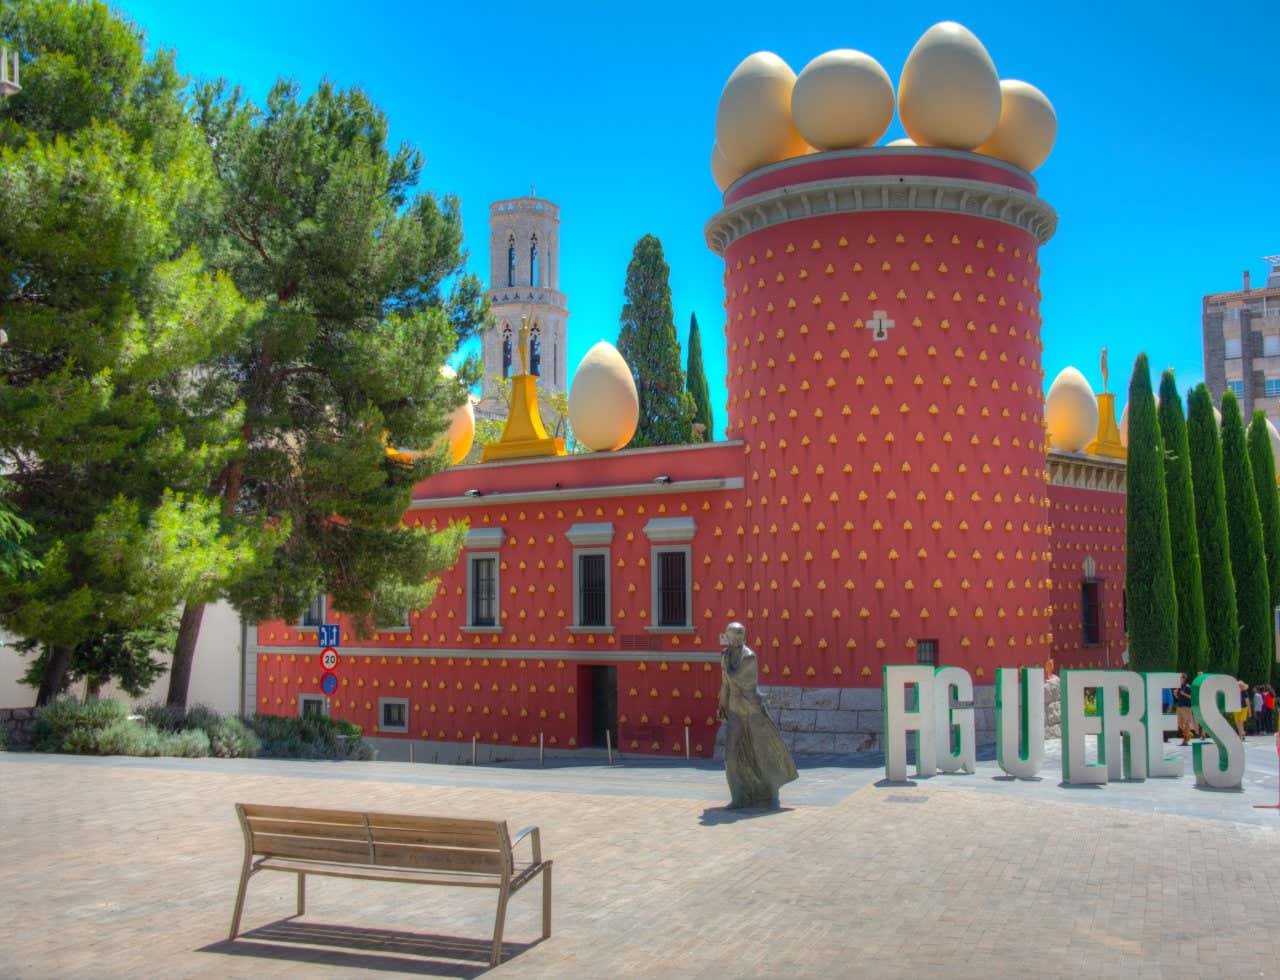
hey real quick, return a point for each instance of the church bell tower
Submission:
(524, 281)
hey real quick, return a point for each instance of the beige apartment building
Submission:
(1241, 335)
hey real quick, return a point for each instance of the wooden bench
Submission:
(390, 847)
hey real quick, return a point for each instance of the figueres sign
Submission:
(1128, 720)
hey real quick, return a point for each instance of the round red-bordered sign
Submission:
(328, 682)
(329, 658)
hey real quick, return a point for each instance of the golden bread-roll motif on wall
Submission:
(604, 406)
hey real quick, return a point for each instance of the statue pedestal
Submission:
(524, 435)
(1107, 442)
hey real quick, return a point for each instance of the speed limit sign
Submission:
(329, 658)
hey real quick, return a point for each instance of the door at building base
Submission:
(597, 704)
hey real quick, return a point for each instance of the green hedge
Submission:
(312, 737)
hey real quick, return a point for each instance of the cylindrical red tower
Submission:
(884, 347)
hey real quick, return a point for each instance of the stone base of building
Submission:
(843, 720)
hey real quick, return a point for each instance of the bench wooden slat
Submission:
(490, 841)
(460, 879)
(308, 828)
(440, 858)
(277, 845)
(313, 814)
(442, 825)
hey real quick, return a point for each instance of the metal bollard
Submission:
(686, 742)
(473, 750)
(539, 748)
(608, 744)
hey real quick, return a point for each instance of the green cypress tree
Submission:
(1149, 583)
(1263, 465)
(696, 383)
(1248, 559)
(1222, 628)
(1193, 644)
(648, 343)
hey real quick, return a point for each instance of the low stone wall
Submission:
(842, 720)
(17, 723)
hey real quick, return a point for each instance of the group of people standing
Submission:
(1257, 710)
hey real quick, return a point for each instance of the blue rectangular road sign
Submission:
(327, 635)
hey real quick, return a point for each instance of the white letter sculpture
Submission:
(898, 721)
(1159, 764)
(1020, 720)
(1211, 694)
(1075, 725)
(957, 744)
(1124, 735)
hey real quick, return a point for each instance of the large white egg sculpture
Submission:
(949, 92)
(1027, 128)
(722, 172)
(753, 120)
(462, 425)
(842, 99)
(604, 406)
(1071, 411)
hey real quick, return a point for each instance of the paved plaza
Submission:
(114, 867)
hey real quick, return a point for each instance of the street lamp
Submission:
(8, 73)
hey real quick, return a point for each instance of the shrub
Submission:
(312, 737)
(230, 738)
(68, 725)
(4, 738)
(123, 738)
(191, 744)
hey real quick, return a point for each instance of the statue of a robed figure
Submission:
(756, 762)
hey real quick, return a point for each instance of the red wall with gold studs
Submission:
(1087, 523)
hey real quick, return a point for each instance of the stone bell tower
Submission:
(524, 281)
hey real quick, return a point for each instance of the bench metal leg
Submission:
(244, 883)
(546, 901)
(495, 957)
(302, 893)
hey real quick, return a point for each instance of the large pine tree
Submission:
(696, 383)
(359, 295)
(1222, 627)
(1149, 582)
(1193, 645)
(1248, 559)
(648, 343)
(1262, 464)
(112, 321)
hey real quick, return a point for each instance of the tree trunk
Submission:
(184, 652)
(55, 669)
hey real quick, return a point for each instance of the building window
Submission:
(483, 586)
(927, 652)
(312, 706)
(1232, 349)
(1091, 612)
(671, 569)
(533, 260)
(1271, 346)
(511, 260)
(535, 351)
(1237, 387)
(393, 715)
(1273, 388)
(314, 615)
(506, 352)
(592, 588)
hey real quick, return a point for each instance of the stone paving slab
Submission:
(111, 867)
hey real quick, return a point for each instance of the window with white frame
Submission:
(483, 572)
(927, 652)
(314, 614)
(1273, 387)
(1271, 346)
(591, 554)
(312, 706)
(393, 714)
(1237, 387)
(1232, 349)
(671, 561)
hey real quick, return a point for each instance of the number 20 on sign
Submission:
(327, 635)
(329, 658)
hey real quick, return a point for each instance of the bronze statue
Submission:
(756, 762)
(1106, 374)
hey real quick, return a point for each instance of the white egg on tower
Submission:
(842, 99)
(949, 92)
(604, 406)
(753, 120)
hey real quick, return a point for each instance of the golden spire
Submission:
(524, 435)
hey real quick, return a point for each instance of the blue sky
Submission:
(1164, 175)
